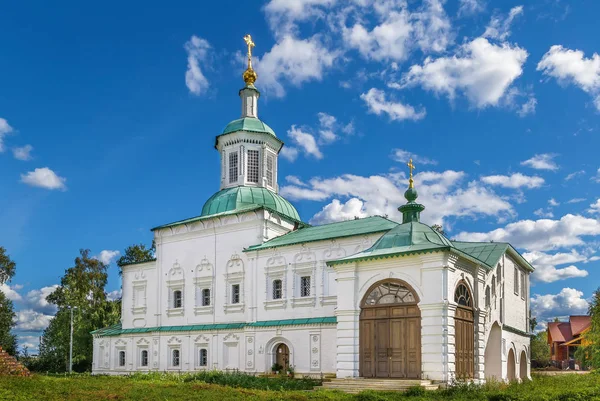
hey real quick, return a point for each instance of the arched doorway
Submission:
(464, 333)
(523, 366)
(282, 356)
(510, 371)
(493, 354)
(390, 331)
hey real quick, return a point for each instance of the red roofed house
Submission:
(564, 338)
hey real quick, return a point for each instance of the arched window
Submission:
(206, 297)
(121, 358)
(177, 299)
(203, 357)
(462, 296)
(277, 289)
(499, 272)
(175, 357)
(487, 297)
(494, 285)
(390, 293)
(144, 358)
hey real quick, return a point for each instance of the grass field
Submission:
(168, 387)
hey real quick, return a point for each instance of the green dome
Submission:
(250, 124)
(239, 198)
(410, 234)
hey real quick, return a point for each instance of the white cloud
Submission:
(292, 179)
(433, 32)
(31, 342)
(295, 61)
(283, 14)
(553, 202)
(5, 129)
(197, 50)
(10, 292)
(499, 27)
(30, 320)
(44, 178)
(540, 235)
(577, 200)
(404, 156)
(595, 207)
(289, 153)
(114, 295)
(470, 7)
(543, 213)
(481, 70)
(444, 194)
(596, 178)
(545, 265)
(571, 67)
(23, 153)
(514, 181)
(37, 300)
(544, 161)
(377, 103)
(574, 175)
(107, 256)
(528, 107)
(328, 125)
(305, 141)
(568, 301)
(337, 211)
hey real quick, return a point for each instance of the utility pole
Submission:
(71, 342)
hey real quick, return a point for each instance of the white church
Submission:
(248, 286)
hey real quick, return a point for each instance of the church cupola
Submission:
(411, 212)
(249, 148)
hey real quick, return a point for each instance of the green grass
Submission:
(195, 387)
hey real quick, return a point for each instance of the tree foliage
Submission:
(540, 350)
(8, 341)
(589, 354)
(137, 254)
(81, 288)
(7, 266)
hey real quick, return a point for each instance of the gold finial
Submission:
(411, 167)
(249, 75)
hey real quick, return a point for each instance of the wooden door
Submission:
(382, 340)
(397, 348)
(283, 356)
(465, 343)
(413, 348)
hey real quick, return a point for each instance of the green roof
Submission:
(488, 252)
(231, 199)
(249, 124)
(241, 200)
(341, 229)
(116, 330)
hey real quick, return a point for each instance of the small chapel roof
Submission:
(368, 225)
(249, 124)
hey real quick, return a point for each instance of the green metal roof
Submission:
(249, 124)
(116, 330)
(232, 199)
(488, 252)
(198, 218)
(341, 229)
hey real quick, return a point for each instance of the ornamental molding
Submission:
(174, 341)
(335, 251)
(176, 273)
(142, 341)
(231, 338)
(201, 339)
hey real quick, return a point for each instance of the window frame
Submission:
(122, 358)
(173, 358)
(270, 170)
(251, 168)
(235, 294)
(277, 289)
(144, 359)
(305, 290)
(516, 279)
(234, 163)
(177, 299)
(203, 359)
(205, 297)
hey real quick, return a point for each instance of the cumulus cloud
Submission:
(114, 295)
(568, 301)
(482, 71)
(305, 141)
(44, 178)
(337, 211)
(528, 107)
(289, 153)
(445, 195)
(283, 15)
(5, 129)
(574, 175)
(595, 207)
(545, 264)
(544, 161)
(470, 7)
(107, 256)
(37, 300)
(11, 292)
(378, 104)
(572, 67)
(514, 181)
(541, 235)
(23, 153)
(404, 156)
(294, 61)
(29, 320)
(499, 26)
(197, 50)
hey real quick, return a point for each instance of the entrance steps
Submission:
(356, 385)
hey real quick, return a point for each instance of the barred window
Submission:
(177, 299)
(305, 286)
(175, 358)
(270, 169)
(206, 297)
(121, 358)
(253, 166)
(233, 167)
(516, 281)
(523, 285)
(203, 359)
(277, 289)
(235, 294)
(144, 358)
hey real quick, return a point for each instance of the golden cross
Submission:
(411, 167)
(250, 43)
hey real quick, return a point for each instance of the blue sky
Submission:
(108, 115)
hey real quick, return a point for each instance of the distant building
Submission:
(565, 337)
